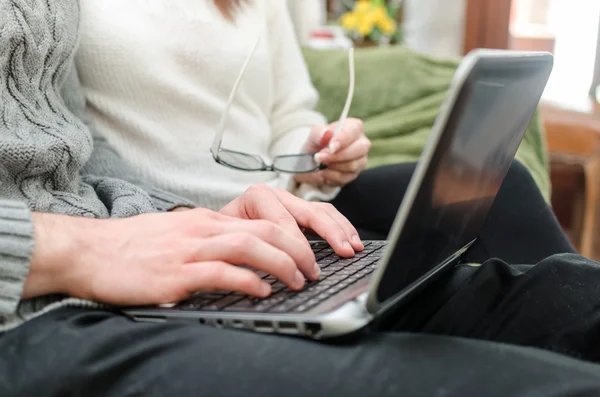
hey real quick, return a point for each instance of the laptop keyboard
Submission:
(336, 274)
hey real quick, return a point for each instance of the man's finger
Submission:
(247, 248)
(312, 216)
(260, 202)
(353, 129)
(301, 254)
(358, 149)
(345, 225)
(219, 275)
(263, 203)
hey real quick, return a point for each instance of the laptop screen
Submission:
(472, 156)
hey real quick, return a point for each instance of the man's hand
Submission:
(162, 258)
(345, 154)
(290, 212)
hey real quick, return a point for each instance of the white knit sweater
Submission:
(157, 74)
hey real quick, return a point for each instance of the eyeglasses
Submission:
(288, 163)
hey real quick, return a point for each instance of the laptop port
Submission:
(312, 329)
(237, 323)
(288, 327)
(202, 321)
(263, 326)
(219, 323)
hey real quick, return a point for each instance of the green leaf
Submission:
(376, 34)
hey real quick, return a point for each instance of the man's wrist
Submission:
(57, 245)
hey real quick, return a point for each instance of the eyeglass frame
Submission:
(218, 139)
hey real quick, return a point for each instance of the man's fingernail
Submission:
(346, 245)
(334, 146)
(316, 271)
(265, 288)
(319, 157)
(356, 239)
(299, 279)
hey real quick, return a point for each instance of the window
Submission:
(567, 28)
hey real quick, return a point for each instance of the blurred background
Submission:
(570, 113)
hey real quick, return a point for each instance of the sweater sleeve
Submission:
(16, 248)
(105, 161)
(293, 113)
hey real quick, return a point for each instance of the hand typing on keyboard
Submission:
(168, 257)
(337, 273)
(290, 212)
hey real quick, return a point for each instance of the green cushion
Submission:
(398, 93)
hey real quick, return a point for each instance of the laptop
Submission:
(475, 137)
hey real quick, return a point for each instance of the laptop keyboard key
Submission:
(228, 300)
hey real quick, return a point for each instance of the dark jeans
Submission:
(458, 338)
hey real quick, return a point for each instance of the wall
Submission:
(435, 26)
(307, 15)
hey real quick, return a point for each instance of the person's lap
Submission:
(72, 352)
(552, 305)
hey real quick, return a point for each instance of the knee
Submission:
(518, 170)
(572, 270)
(519, 176)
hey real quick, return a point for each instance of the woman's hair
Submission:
(227, 7)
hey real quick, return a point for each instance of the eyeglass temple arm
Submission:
(219, 135)
(344, 114)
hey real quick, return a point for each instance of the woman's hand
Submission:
(344, 154)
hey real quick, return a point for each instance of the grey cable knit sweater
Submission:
(50, 159)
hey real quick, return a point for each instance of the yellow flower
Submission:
(362, 6)
(387, 25)
(379, 14)
(365, 16)
(365, 27)
(349, 21)
(370, 17)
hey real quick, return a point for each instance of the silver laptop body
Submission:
(490, 102)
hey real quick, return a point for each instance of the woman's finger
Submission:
(358, 149)
(336, 178)
(352, 130)
(349, 167)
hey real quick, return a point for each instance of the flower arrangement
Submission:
(371, 20)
